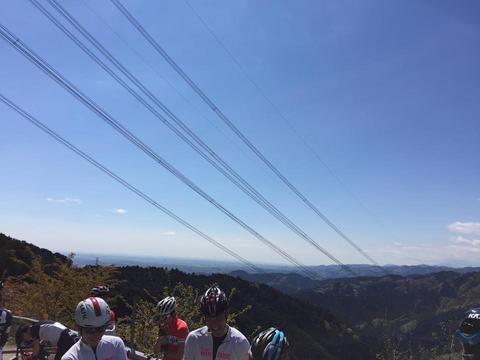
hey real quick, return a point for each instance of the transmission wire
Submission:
(232, 126)
(289, 124)
(227, 170)
(126, 184)
(52, 73)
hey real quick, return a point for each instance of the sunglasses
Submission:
(161, 317)
(94, 330)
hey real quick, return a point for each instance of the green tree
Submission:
(53, 292)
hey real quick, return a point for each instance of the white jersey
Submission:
(199, 346)
(108, 348)
(48, 330)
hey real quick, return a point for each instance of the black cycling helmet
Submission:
(469, 334)
(213, 302)
(269, 345)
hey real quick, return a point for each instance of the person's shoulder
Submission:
(237, 334)
(203, 331)
(69, 355)
(73, 353)
(111, 339)
(181, 324)
(7, 312)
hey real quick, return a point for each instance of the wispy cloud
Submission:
(169, 233)
(465, 228)
(462, 249)
(65, 201)
(460, 240)
(119, 211)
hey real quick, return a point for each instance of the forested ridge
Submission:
(48, 286)
(413, 316)
(390, 317)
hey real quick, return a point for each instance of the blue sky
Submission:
(386, 93)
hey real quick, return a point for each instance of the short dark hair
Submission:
(23, 329)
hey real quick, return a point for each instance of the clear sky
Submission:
(386, 93)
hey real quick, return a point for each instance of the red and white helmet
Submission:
(99, 290)
(92, 312)
(166, 306)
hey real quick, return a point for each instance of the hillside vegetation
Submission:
(49, 286)
(413, 315)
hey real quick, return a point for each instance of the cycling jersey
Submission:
(108, 348)
(5, 324)
(177, 329)
(56, 334)
(199, 346)
(47, 330)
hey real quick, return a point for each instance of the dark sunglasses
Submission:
(158, 317)
(94, 330)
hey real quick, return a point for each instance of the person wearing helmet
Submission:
(92, 316)
(46, 331)
(172, 331)
(102, 291)
(270, 344)
(216, 340)
(5, 324)
(469, 334)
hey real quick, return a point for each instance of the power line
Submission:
(62, 81)
(289, 124)
(169, 83)
(232, 126)
(225, 168)
(126, 184)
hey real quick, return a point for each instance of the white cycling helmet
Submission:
(92, 312)
(166, 306)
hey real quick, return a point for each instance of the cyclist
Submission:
(469, 334)
(44, 331)
(216, 340)
(5, 324)
(103, 291)
(172, 331)
(92, 316)
(270, 344)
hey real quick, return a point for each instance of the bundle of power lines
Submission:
(179, 128)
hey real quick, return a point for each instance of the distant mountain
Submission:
(292, 282)
(198, 266)
(411, 317)
(420, 312)
(203, 266)
(414, 315)
(313, 332)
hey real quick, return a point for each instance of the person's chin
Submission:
(217, 332)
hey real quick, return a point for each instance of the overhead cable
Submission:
(205, 151)
(289, 124)
(232, 126)
(22, 48)
(126, 184)
(187, 101)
